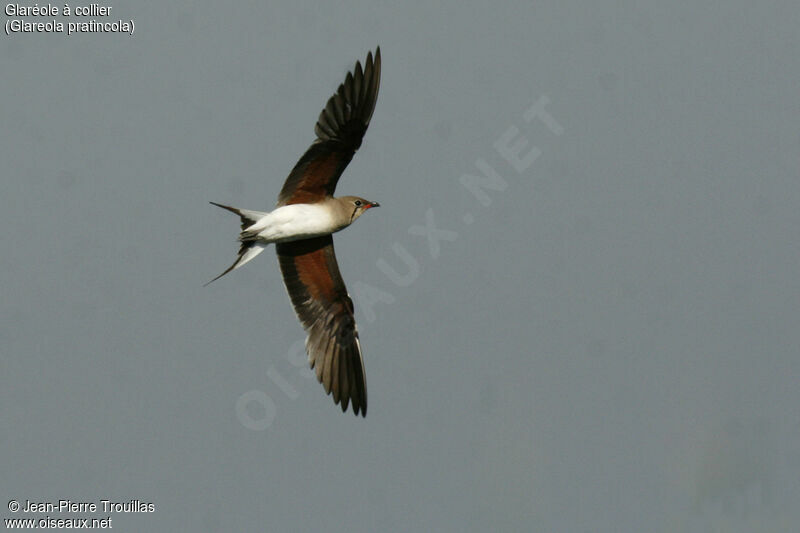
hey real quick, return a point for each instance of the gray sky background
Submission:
(610, 345)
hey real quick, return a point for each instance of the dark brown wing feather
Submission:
(320, 299)
(339, 129)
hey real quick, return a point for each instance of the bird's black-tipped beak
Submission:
(374, 204)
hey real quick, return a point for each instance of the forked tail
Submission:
(248, 249)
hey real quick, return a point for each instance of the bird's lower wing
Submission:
(324, 308)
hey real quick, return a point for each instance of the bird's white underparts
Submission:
(294, 222)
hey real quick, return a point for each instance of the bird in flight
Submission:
(301, 226)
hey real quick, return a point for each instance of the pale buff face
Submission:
(354, 206)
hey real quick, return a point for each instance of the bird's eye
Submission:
(358, 203)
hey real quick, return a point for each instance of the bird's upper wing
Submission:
(340, 128)
(324, 308)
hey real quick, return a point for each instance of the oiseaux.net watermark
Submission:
(71, 514)
(256, 409)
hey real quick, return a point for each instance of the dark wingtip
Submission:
(358, 409)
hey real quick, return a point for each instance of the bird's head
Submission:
(356, 206)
